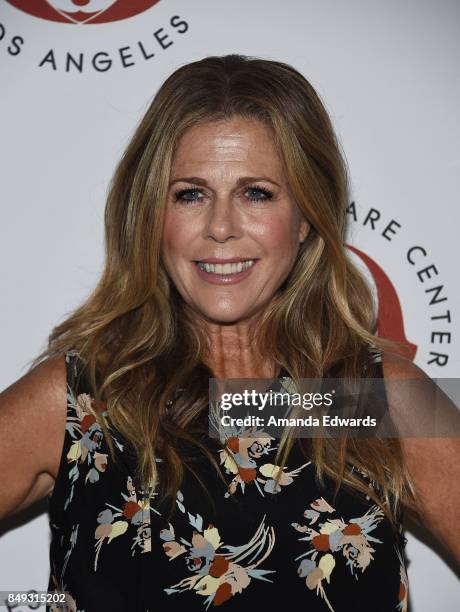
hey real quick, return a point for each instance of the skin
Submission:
(223, 223)
(433, 463)
(218, 219)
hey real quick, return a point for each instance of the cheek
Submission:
(177, 235)
(279, 235)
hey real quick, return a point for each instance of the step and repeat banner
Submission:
(77, 75)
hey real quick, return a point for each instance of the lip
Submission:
(218, 260)
(223, 279)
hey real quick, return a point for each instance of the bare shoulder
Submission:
(32, 427)
(396, 366)
(415, 398)
(38, 397)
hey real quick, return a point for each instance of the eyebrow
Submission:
(196, 180)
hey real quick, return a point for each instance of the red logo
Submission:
(390, 319)
(83, 11)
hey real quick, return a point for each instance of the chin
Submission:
(219, 316)
(226, 318)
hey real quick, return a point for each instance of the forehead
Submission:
(235, 141)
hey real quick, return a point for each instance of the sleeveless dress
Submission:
(251, 544)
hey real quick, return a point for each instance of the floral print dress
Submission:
(250, 544)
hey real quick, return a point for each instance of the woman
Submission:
(225, 227)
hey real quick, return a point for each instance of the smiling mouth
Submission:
(227, 268)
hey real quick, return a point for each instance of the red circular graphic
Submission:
(83, 11)
(390, 319)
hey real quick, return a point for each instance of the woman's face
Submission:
(228, 200)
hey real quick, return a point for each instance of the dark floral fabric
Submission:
(249, 543)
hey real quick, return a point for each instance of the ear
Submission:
(303, 230)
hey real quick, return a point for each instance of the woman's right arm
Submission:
(32, 426)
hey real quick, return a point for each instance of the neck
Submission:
(232, 352)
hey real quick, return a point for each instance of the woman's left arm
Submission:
(434, 464)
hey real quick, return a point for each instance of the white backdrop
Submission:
(388, 74)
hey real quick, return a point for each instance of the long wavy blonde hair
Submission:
(134, 334)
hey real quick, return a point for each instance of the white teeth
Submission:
(228, 268)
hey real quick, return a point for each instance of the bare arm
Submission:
(32, 427)
(434, 464)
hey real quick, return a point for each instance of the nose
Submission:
(222, 222)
